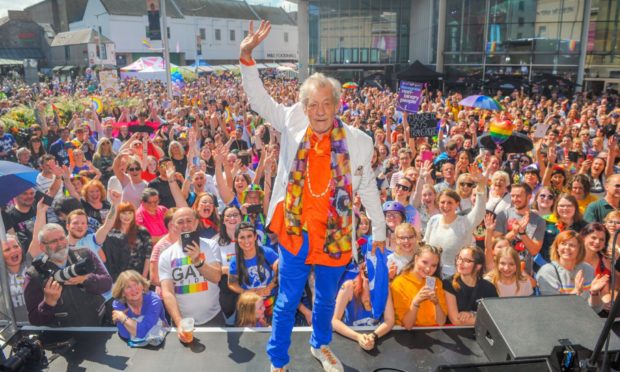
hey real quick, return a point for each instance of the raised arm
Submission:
(35, 245)
(611, 155)
(223, 189)
(258, 97)
(425, 178)
(104, 230)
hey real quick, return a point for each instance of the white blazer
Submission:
(292, 123)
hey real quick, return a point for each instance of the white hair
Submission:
(49, 228)
(317, 80)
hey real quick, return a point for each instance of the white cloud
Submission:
(6, 5)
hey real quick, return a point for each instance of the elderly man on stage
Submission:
(322, 164)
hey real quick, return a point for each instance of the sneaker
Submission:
(330, 362)
(281, 369)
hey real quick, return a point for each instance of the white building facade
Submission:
(191, 37)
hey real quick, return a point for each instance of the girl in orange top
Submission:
(415, 303)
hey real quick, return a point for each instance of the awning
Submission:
(10, 62)
(272, 65)
(68, 68)
(230, 67)
(205, 68)
(57, 68)
(261, 66)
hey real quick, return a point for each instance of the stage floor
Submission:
(217, 349)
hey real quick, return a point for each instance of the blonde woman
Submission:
(506, 275)
(138, 313)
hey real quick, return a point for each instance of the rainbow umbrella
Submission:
(482, 102)
(350, 85)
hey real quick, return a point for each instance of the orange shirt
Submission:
(314, 210)
(404, 288)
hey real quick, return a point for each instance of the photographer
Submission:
(69, 297)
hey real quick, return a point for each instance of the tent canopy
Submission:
(146, 62)
(418, 72)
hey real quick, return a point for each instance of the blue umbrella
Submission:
(15, 179)
(482, 102)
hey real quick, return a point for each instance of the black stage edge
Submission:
(219, 349)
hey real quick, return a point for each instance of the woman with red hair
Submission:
(128, 245)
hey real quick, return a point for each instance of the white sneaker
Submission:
(281, 369)
(330, 362)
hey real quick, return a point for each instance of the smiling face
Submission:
(568, 250)
(447, 205)
(507, 266)
(426, 264)
(595, 241)
(133, 291)
(78, 226)
(247, 241)
(321, 109)
(206, 206)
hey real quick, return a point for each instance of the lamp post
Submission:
(164, 33)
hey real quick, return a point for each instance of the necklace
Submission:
(314, 195)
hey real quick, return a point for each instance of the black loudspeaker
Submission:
(530, 327)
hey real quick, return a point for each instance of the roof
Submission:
(136, 8)
(418, 72)
(20, 53)
(275, 15)
(75, 10)
(231, 9)
(77, 37)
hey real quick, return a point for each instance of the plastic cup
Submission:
(186, 330)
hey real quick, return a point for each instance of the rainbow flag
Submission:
(572, 45)
(491, 47)
(97, 104)
(500, 131)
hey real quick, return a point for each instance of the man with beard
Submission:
(76, 302)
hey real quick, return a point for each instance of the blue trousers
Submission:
(293, 276)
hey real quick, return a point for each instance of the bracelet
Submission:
(125, 320)
(374, 335)
(200, 264)
(595, 293)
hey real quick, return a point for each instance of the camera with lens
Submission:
(47, 269)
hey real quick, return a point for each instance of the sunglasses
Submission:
(403, 187)
(546, 196)
(468, 184)
(134, 169)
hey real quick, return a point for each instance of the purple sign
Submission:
(410, 96)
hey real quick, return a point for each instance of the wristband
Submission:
(125, 320)
(375, 336)
(245, 62)
(200, 264)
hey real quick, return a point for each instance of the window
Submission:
(168, 32)
(521, 5)
(102, 52)
(521, 21)
(67, 53)
(232, 35)
(203, 34)
(218, 34)
(542, 31)
(286, 37)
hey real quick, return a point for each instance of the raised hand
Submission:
(489, 222)
(254, 39)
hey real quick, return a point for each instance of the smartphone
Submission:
(430, 282)
(427, 155)
(255, 209)
(187, 238)
(47, 200)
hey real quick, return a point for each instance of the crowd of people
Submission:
(148, 214)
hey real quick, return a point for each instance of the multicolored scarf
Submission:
(339, 217)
